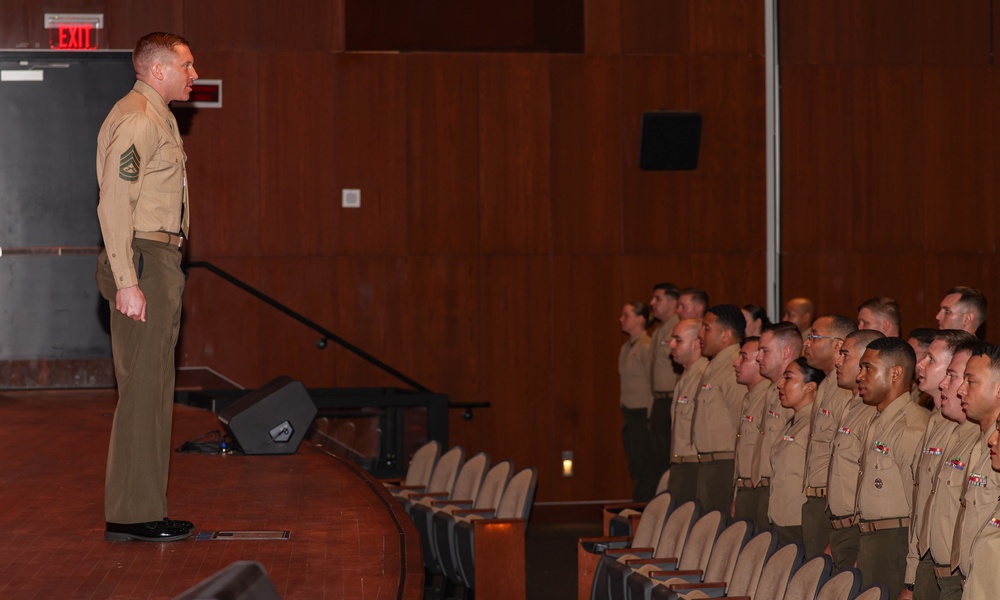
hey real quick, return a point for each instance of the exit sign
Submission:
(77, 31)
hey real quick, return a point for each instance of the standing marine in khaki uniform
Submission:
(821, 350)
(665, 372)
(885, 486)
(780, 344)
(797, 391)
(747, 494)
(848, 446)
(685, 349)
(930, 373)
(984, 576)
(980, 396)
(635, 361)
(717, 406)
(937, 527)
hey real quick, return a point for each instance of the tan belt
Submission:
(942, 571)
(693, 458)
(839, 523)
(663, 395)
(879, 525)
(160, 236)
(764, 482)
(815, 492)
(710, 456)
(744, 483)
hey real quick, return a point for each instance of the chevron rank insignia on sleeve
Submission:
(128, 165)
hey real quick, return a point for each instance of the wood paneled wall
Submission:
(503, 218)
(889, 170)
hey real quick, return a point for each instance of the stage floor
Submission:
(347, 539)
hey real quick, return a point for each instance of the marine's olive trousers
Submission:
(135, 488)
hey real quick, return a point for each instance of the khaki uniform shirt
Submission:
(665, 371)
(927, 461)
(885, 487)
(831, 403)
(682, 410)
(978, 498)
(984, 566)
(749, 433)
(946, 493)
(717, 405)
(775, 419)
(634, 362)
(140, 169)
(845, 460)
(788, 457)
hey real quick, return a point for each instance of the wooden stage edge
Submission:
(347, 537)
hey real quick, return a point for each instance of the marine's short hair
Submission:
(787, 334)
(731, 317)
(954, 338)
(863, 337)
(923, 335)
(151, 47)
(886, 308)
(973, 299)
(697, 294)
(840, 325)
(992, 352)
(669, 289)
(896, 351)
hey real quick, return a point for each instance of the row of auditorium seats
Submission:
(675, 552)
(471, 517)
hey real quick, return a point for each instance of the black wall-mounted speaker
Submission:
(670, 141)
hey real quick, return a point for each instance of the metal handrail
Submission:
(326, 333)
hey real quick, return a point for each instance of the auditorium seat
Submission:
(876, 591)
(484, 541)
(777, 572)
(842, 586)
(743, 579)
(695, 556)
(589, 550)
(809, 578)
(443, 521)
(466, 487)
(621, 517)
(442, 478)
(420, 469)
(669, 544)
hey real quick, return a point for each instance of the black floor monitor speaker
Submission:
(242, 580)
(272, 419)
(670, 141)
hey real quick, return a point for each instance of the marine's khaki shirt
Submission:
(682, 410)
(140, 170)
(665, 370)
(749, 433)
(845, 460)
(984, 566)
(831, 402)
(885, 489)
(634, 362)
(979, 497)
(788, 458)
(717, 405)
(775, 417)
(927, 460)
(947, 485)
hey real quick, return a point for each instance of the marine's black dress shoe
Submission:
(153, 531)
(175, 523)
